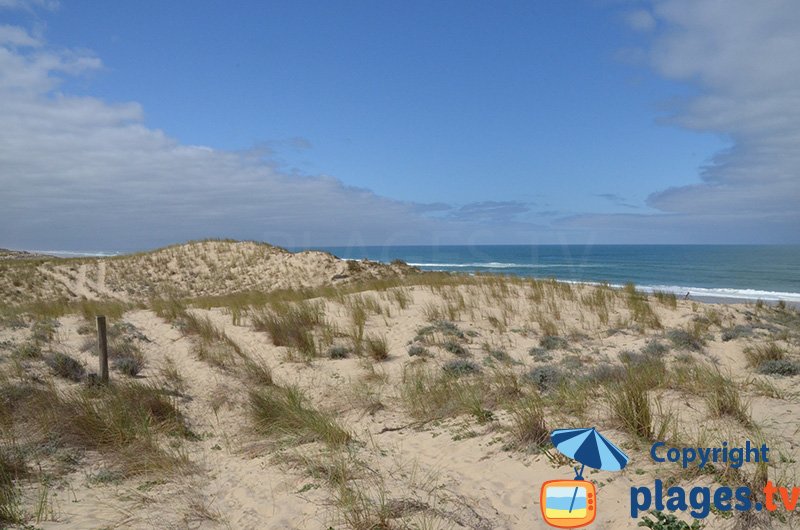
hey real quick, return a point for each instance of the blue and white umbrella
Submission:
(590, 448)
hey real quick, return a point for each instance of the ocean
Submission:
(724, 272)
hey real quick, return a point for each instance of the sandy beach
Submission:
(303, 391)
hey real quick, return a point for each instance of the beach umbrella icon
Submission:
(590, 448)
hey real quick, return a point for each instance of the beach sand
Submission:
(424, 449)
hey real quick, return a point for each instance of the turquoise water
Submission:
(744, 272)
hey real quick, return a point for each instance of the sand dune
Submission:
(445, 438)
(201, 268)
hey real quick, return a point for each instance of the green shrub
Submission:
(65, 366)
(338, 352)
(655, 348)
(686, 339)
(552, 342)
(785, 367)
(415, 350)
(736, 332)
(455, 348)
(458, 367)
(544, 377)
(444, 327)
(500, 355)
(605, 373)
(540, 354)
(129, 365)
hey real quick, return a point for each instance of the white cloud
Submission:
(742, 59)
(640, 20)
(30, 5)
(80, 172)
(16, 36)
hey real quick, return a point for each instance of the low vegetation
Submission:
(286, 413)
(596, 355)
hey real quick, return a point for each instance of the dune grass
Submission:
(286, 413)
(377, 347)
(723, 397)
(758, 354)
(528, 427)
(630, 406)
(122, 421)
(291, 325)
(12, 468)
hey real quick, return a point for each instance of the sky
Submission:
(130, 125)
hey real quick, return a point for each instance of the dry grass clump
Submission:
(171, 376)
(44, 330)
(170, 309)
(651, 370)
(123, 422)
(722, 395)
(291, 325)
(27, 350)
(211, 344)
(666, 299)
(429, 394)
(285, 412)
(528, 427)
(12, 468)
(630, 406)
(760, 353)
(377, 347)
(639, 307)
(257, 372)
(112, 309)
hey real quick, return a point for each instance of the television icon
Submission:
(568, 503)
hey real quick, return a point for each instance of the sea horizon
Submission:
(719, 272)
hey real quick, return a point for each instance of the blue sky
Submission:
(398, 122)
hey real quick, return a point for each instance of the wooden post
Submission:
(102, 347)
